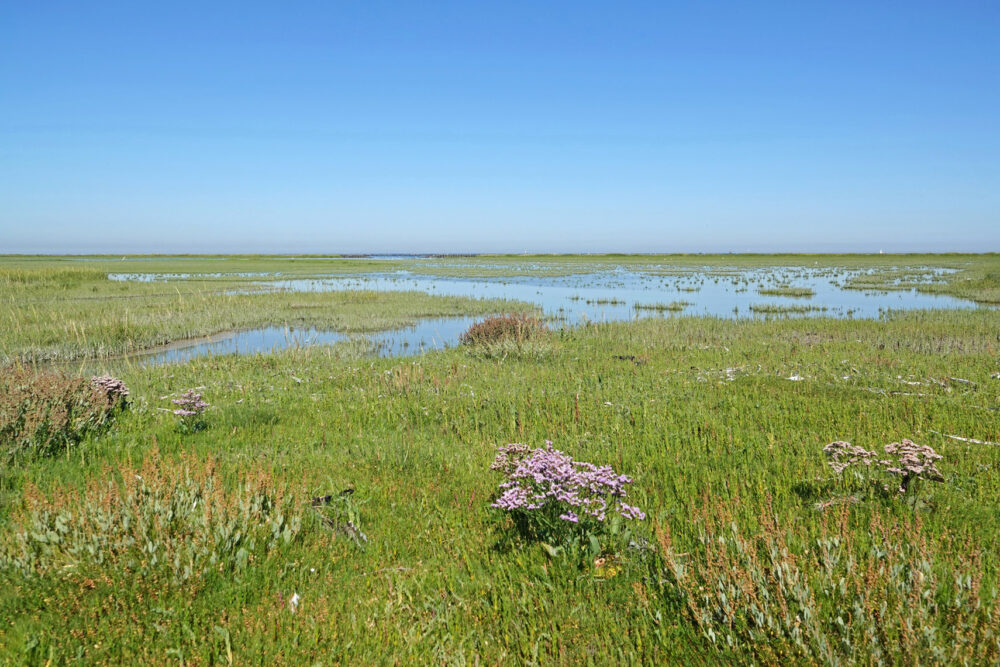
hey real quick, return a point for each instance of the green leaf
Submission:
(552, 551)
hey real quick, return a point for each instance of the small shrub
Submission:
(552, 497)
(514, 327)
(45, 413)
(169, 520)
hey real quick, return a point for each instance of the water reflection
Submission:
(621, 294)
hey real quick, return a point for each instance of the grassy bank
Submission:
(720, 423)
(61, 314)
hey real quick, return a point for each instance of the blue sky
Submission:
(506, 127)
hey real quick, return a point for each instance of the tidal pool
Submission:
(427, 334)
(622, 294)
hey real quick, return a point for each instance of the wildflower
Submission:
(547, 479)
(114, 388)
(912, 460)
(190, 407)
(189, 404)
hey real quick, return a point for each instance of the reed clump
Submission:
(514, 327)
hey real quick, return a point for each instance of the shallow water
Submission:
(568, 300)
(427, 334)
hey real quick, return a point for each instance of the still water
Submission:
(622, 294)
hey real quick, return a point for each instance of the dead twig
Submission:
(972, 440)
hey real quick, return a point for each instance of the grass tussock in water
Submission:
(797, 292)
(784, 309)
(672, 307)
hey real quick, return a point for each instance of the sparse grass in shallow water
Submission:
(673, 306)
(798, 292)
(784, 309)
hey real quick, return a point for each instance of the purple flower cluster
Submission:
(547, 479)
(843, 455)
(189, 404)
(912, 460)
(112, 387)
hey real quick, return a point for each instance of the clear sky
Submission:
(365, 126)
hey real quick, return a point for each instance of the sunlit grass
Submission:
(720, 423)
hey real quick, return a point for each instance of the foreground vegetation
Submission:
(338, 510)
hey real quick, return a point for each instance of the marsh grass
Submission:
(796, 292)
(63, 315)
(672, 307)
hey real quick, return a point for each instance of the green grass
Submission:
(784, 309)
(673, 306)
(62, 314)
(414, 438)
(701, 412)
(798, 292)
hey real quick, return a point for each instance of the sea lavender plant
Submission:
(912, 461)
(546, 491)
(190, 408)
(113, 388)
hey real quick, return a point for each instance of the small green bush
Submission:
(42, 414)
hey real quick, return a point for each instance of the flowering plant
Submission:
(547, 492)
(190, 408)
(113, 389)
(912, 462)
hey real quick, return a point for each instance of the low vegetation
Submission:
(43, 414)
(672, 307)
(798, 292)
(340, 508)
(158, 525)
